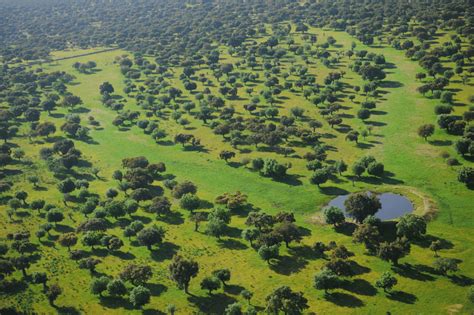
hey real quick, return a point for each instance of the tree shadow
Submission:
(115, 302)
(304, 251)
(426, 241)
(333, 191)
(391, 84)
(166, 251)
(150, 311)
(204, 204)
(388, 231)
(196, 148)
(12, 287)
(172, 218)
(358, 269)
(212, 304)
(144, 220)
(287, 265)
(234, 164)
(347, 228)
(156, 289)
(360, 287)
(61, 228)
(100, 252)
(234, 232)
(403, 297)
(123, 255)
(462, 280)
(233, 289)
(291, 180)
(441, 143)
(232, 244)
(364, 146)
(67, 310)
(344, 299)
(409, 271)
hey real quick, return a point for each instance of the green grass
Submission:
(416, 165)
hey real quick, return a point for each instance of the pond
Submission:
(393, 205)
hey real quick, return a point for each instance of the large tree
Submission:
(182, 271)
(285, 300)
(151, 236)
(361, 205)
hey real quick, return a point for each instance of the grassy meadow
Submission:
(415, 166)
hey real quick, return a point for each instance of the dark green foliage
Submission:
(411, 226)
(99, 285)
(151, 236)
(182, 270)
(139, 296)
(361, 205)
(210, 284)
(283, 299)
(386, 282)
(394, 251)
(334, 215)
(445, 265)
(136, 274)
(268, 253)
(326, 280)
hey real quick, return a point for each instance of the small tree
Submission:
(116, 288)
(394, 251)
(284, 300)
(210, 284)
(246, 294)
(466, 175)
(367, 234)
(216, 227)
(34, 180)
(470, 294)
(151, 236)
(445, 265)
(171, 309)
(386, 282)
(54, 216)
(136, 274)
(411, 226)
(99, 285)
(250, 235)
(326, 280)
(22, 263)
(319, 177)
(334, 215)
(68, 240)
(288, 232)
(340, 167)
(40, 278)
(54, 291)
(268, 253)
(226, 155)
(197, 218)
(89, 263)
(222, 274)
(139, 296)
(190, 202)
(426, 131)
(435, 246)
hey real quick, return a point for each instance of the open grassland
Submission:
(415, 165)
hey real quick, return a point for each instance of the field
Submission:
(414, 167)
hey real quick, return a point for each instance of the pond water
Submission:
(393, 205)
